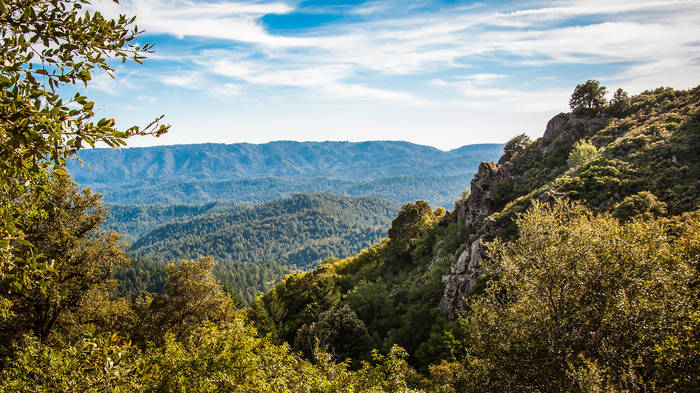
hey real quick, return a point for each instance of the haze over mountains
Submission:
(203, 173)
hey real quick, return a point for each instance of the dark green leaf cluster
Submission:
(588, 98)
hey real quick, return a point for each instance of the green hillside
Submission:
(132, 221)
(255, 247)
(577, 285)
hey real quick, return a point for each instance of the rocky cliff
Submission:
(513, 173)
(651, 148)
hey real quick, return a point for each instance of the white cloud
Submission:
(226, 91)
(189, 80)
(333, 60)
(484, 77)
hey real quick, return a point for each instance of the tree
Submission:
(584, 303)
(80, 258)
(619, 104)
(96, 363)
(516, 144)
(413, 221)
(47, 44)
(193, 297)
(588, 98)
(643, 204)
(338, 330)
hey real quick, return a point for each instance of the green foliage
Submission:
(213, 358)
(230, 358)
(502, 194)
(338, 331)
(581, 299)
(78, 258)
(257, 247)
(193, 297)
(97, 363)
(588, 98)
(393, 288)
(651, 155)
(515, 145)
(134, 221)
(299, 231)
(413, 220)
(640, 205)
(47, 45)
(599, 182)
(620, 103)
(582, 153)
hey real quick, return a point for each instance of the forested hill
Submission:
(132, 221)
(571, 265)
(255, 246)
(256, 173)
(301, 230)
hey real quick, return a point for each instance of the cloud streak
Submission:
(344, 60)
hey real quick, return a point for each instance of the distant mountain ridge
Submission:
(339, 160)
(204, 173)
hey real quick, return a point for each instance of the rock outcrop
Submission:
(462, 278)
(475, 212)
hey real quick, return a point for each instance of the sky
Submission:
(443, 73)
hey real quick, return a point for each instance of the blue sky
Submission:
(439, 73)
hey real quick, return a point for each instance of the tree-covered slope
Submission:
(255, 247)
(132, 221)
(301, 231)
(633, 167)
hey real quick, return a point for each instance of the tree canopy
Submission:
(588, 98)
(583, 303)
(46, 44)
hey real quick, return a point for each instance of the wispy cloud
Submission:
(190, 80)
(519, 57)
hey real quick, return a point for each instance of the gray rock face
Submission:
(566, 127)
(462, 278)
(466, 267)
(475, 212)
(480, 202)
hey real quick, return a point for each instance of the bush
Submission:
(584, 303)
(582, 153)
(640, 205)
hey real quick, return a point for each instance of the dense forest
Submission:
(132, 221)
(254, 247)
(439, 190)
(570, 265)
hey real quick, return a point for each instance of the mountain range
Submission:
(256, 173)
